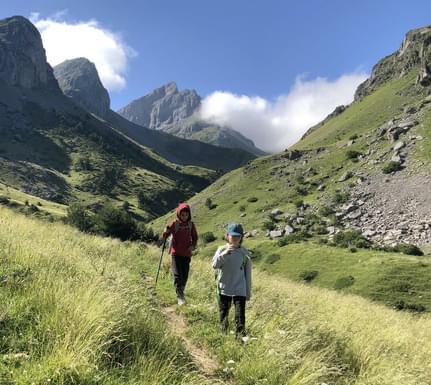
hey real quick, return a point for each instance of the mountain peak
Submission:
(22, 56)
(162, 106)
(414, 53)
(78, 78)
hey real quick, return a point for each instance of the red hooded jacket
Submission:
(184, 240)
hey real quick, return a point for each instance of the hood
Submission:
(183, 206)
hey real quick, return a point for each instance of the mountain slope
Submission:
(176, 112)
(333, 205)
(53, 149)
(79, 80)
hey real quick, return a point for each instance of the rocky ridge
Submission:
(79, 80)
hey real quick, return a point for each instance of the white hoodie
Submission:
(234, 271)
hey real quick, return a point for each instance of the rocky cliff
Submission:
(22, 57)
(79, 80)
(161, 107)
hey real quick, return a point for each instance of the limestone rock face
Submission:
(415, 52)
(162, 107)
(79, 80)
(22, 56)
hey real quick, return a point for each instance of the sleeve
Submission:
(218, 258)
(248, 278)
(194, 236)
(169, 229)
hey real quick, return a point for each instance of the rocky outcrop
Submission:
(22, 56)
(415, 52)
(79, 80)
(176, 112)
(161, 107)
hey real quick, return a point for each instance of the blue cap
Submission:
(235, 229)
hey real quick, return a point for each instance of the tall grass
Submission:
(307, 335)
(74, 311)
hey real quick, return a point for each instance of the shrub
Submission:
(351, 238)
(268, 225)
(210, 204)
(352, 154)
(415, 307)
(326, 211)
(115, 223)
(296, 237)
(208, 237)
(340, 197)
(391, 167)
(79, 217)
(242, 208)
(4, 200)
(272, 258)
(353, 137)
(252, 199)
(344, 282)
(298, 203)
(301, 190)
(144, 233)
(308, 275)
(409, 249)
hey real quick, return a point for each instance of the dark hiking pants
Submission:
(180, 272)
(224, 306)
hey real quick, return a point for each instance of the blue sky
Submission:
(255, 48)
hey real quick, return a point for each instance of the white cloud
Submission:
(274, 126)
(68, 40)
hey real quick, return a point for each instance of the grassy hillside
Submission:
(61, 153)
(73, 310)
(77, 309)
(251, 193)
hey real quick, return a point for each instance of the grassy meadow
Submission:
(78, 309)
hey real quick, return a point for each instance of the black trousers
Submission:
(180, 271)
(224, 306)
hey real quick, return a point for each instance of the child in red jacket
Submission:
(183, 242)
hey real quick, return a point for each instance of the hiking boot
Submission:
(181, 301)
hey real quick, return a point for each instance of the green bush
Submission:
(116, 223)
(340, 197)
(301, 190)
(352, 154)
(210, 204)
(351, 238)
(344, 282)
(308, 275)
(296, 237)
(353, 137)
(326, 211)
(252, 199)
(414, 307)
(4, 200)
(268, 225)
(409, 249)
(79, 217)
(298, 203)
(208, 237)
(272, 258)
(391, 167)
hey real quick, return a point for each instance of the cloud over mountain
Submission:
(275, 125)
(68, 40)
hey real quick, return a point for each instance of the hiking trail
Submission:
(204, 361)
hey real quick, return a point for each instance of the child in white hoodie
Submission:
(233, 266)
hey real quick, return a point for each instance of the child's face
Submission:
(234, 240)
(184, 215)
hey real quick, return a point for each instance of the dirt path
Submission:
(203, 360)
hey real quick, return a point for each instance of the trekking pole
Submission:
(160, 262)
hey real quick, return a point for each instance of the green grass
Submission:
(302, 334)
(74, 310)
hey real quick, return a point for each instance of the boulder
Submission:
(276, 212)
(288, 229)
(276, 233)
(345, 176)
